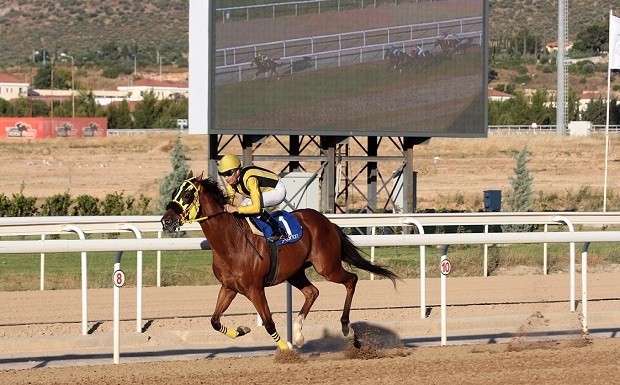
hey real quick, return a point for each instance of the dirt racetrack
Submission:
(501, 329)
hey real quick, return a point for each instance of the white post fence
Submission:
(82, 225)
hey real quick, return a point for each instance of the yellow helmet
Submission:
(228, 162)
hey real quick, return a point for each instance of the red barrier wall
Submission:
(44, 128)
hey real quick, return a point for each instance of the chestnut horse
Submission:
(265, 66)
(396, 61)
(241, 259)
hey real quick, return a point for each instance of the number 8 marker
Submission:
(118, 278)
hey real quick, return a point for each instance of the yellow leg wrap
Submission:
(281, 343)
(230, 333)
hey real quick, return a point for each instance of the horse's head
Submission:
(184, 206)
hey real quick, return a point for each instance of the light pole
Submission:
(72, 85)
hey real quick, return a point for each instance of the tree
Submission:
(6, 108)
(119, 116)
(538, 112)
(518, 113)
(24, 107)
(43, 78)
(145, 113)
(596, 112)
(593, 37)
(87, 106)
(180, 170)
(520, 199)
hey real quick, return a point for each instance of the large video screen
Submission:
(342, 68)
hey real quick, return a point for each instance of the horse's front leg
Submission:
(224, 298)
(259, 300)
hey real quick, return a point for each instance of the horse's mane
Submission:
(213, 188)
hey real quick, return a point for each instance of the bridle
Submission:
(189, 211)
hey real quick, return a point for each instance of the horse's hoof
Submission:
(243, 330)
(299, 340)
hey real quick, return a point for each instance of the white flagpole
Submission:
(609, 55)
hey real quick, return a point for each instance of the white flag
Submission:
(614, 42)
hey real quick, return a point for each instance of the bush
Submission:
(86, 206)
(111, 73)
(57, 205)
(113, 204)
(19, 206)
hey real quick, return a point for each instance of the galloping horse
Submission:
(454, 46)
(265, 65)
(241, 260)
(447, 46)
(396, 61)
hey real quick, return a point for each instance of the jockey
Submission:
(395, 50)
(264, 58)
(260, 187)
(446, 38)
(419, 50)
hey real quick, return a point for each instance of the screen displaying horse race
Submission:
(347, 68)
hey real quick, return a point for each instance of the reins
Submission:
(247, 238)
(205, 218)
(195, 205)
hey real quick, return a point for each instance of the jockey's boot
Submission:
(278, 232)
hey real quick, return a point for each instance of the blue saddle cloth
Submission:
(287, 221)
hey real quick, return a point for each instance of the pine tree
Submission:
(521, 198)
(180, 170)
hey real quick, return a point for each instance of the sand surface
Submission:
(501, 329)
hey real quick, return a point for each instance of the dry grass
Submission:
(565, 169)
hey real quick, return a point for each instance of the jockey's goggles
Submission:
(228, 173)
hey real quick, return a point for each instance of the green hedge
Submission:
(20, 205)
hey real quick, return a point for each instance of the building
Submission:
(12, 88)
(162, 89)
(498, 96)
(553, 46)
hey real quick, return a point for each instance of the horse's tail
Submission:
(351, 254)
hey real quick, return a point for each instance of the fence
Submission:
(335, 50)
(296, 8)
(137, 225)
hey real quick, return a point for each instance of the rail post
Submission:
(418, 225)
(118, 281)
(571, 228)
(136, 231)
(80, 234)
(444, 274)
(584, 287)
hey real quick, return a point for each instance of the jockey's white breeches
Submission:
(270, 198)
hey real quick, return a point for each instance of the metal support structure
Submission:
(331, 152)
(562, 69)
(294, 150)
(371, 174)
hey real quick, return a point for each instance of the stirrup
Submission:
(277, 235)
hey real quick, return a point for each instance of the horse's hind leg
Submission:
(336, 273)
(224, 298)
(310, 292)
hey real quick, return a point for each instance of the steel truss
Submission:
(354, 176)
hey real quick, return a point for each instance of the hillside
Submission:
(154, 27)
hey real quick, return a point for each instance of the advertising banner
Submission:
(52, 128)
